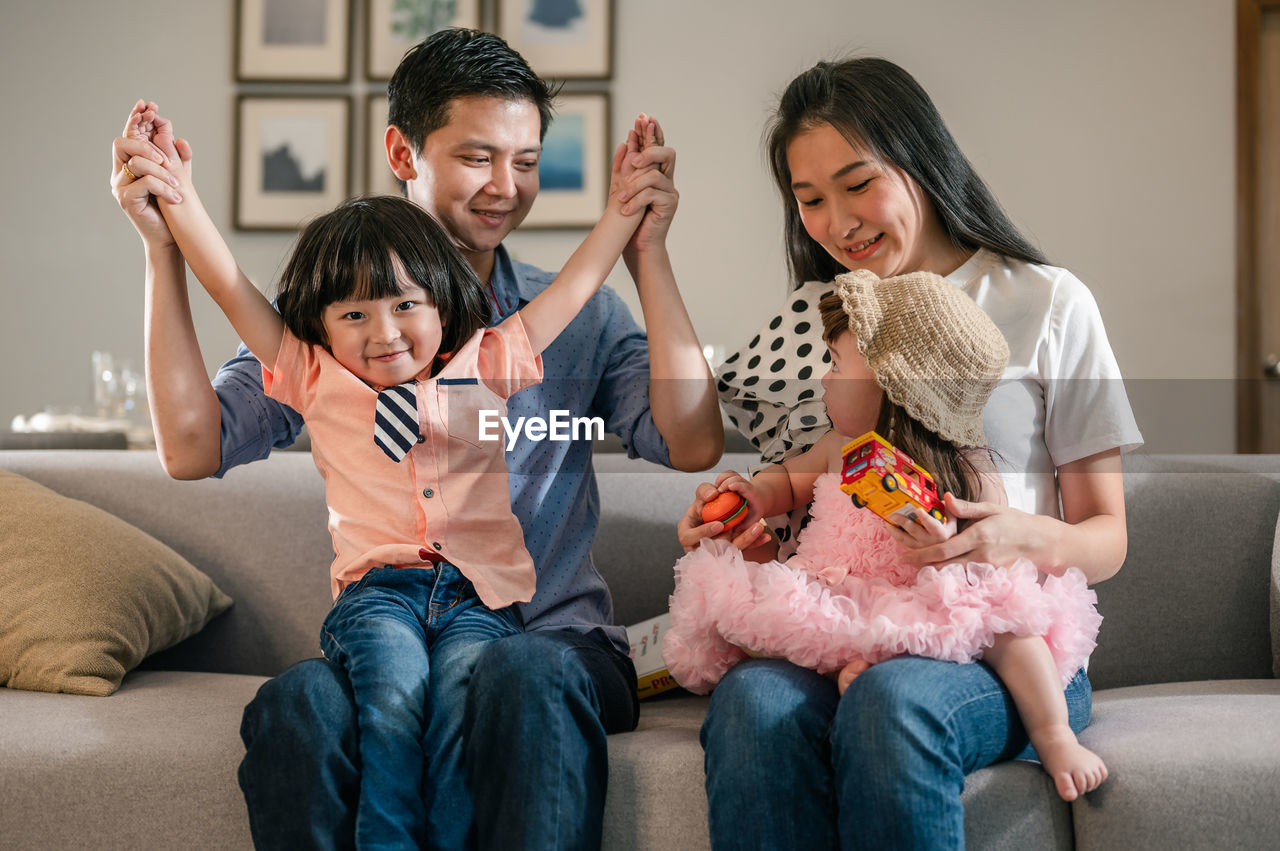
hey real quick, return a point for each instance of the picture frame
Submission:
(570, 40)
(573, 169)
(293, 159)
(393, 26)
(378, 177)
(295, 41)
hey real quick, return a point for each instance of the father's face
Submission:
(478, 174)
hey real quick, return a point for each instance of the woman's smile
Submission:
(863, 250)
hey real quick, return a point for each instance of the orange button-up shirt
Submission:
(449, 497)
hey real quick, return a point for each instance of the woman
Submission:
(871, 179)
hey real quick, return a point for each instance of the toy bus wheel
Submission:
(890, 483)
(857, 500)
(936, 514)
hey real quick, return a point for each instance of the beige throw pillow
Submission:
(85, 596)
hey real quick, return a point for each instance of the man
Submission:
(515, 749)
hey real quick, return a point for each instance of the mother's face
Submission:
(867, 215)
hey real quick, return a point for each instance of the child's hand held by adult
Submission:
(627, 165)
(138, 172)
(648, 180)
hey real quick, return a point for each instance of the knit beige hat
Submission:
(933, 350)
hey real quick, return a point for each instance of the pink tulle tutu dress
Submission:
(846, 595)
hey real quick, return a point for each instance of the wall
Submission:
(1106, 129)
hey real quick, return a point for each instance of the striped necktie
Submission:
(395, 420)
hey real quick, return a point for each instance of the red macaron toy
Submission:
(729, 508)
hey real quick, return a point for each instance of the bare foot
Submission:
(849, 673)
(1074, 768)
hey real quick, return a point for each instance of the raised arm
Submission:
(682, 394)
(249, 311)
(555, 307)
(184, 408)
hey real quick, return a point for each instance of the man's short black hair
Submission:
(459, 63)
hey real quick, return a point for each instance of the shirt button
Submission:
(422, 438)
(428, 493)
(435, 544)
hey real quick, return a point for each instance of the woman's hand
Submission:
(138, 171)
(997, 534)
(692, 531)
(1090, 536)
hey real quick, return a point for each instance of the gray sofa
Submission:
(1186, 713)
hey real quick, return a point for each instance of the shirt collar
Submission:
(969, 269)
(509, 289)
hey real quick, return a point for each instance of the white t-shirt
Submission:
(1061, 398)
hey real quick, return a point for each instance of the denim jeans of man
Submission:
(791, 764)
(536, 708)
(389, 631)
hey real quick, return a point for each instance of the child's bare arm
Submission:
(249, 311)
(779, 488)
(556, 306)
(776, 489)
(803, 469)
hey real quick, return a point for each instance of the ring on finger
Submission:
(127, 173)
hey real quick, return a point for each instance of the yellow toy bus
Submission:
(879, 476)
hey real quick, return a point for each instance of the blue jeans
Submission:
(791, 764)
(518, 726)
(388, 631)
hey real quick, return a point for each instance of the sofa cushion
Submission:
(153, 767)
(656, 799)
(1192, 766)
(1201, 533)
(259, 534)
(1275, 603)
(84, 596)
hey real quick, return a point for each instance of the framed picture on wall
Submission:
(293, 159)
(561, 39)
(393, 26)
(573, 170)
(293, 40)
(378, 179)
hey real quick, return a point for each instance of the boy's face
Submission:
(385, 341)
(478, 174)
